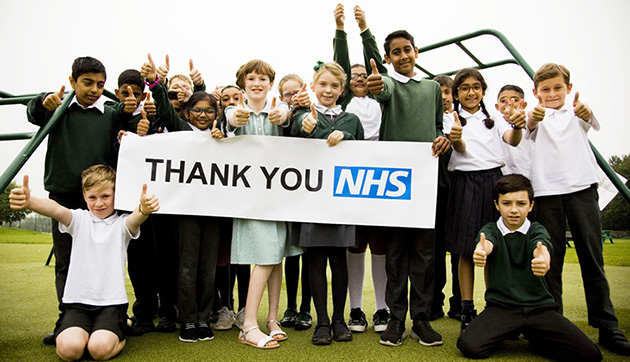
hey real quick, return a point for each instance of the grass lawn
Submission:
(28, 310)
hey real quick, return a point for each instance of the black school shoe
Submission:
(188, 333)
(321, 336)
(289, 318)
(341, 333)
(394, 334)
(204, 332)
(358, 323)
(49, 339)
(614, 340)
(467, 317)
(422, 332)
(166, 325)
(303, 321)
(380, 320)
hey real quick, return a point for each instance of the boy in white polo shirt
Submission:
(563, 173)
(94, 296)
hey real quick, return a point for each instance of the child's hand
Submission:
(162, 71)
(20, 198)
(580, 109)
(148, 202)
(120, 135)
(301, 99)
(241, 116)
(183, 95)
(456, 130)
(359, 16)
(538, 113)
(216, 93)
(130, 101)
(149, 106)
(275, 115)
(340, 18)
(334, 138)
(541, 261)
(515, 115)
(440, 146)
(481, 251)
(148, 70)
(53, 100)
(143, 124)
(309, 123)
(375, 80)
(216, 133)
(194, 74)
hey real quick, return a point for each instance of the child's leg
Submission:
(104, 345)
(397, 267)
(378, 248)
(189, 240)
(273, 291)
(259, 277)
(356, 269)
(421, 254)
(339, 283)
(208, 253)
(486, 331)
(71, 343)
(305, 306)
(292, 273)
(243, 274)
(318, 259)
(466, 276)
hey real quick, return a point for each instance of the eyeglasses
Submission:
(196, 111)
(355, 76)
(289, 95)
(466, 87)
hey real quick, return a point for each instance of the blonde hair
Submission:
(98, 176)
(287, 78)
(182, 77)
(334, 68)
(254, 66)
(551, 70)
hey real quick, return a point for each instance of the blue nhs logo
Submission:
(373, 182)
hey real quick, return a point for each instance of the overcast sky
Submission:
(40, 40)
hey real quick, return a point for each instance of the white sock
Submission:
(379, 277)
(356, 274)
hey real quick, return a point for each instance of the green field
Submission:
(28, 310)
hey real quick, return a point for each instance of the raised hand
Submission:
(302, 99)
(580, 109)
(375, 80)
(359, 16)
(195, 75)
(241, 115)
(143, 124)
(516, 115)
(216, 133)
(538, 113)
(309, 123)
(275, 115)
(130, 101)
(484, 247)
(340, 18)
(20, 198)
(162, 71)
(148, 202)
(541, 260)
(456, 130)
(148, 70)
(53, 100)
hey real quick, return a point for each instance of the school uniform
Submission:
(565, 186)
(519, 301)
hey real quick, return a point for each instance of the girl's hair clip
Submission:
(318, 65)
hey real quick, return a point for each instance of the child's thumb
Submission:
(190, 62)
(60, 94)
(373, 65)
(273, 103)
(25, 182)
(457, 123)
(575, 100)
(313, 111)
(144, 189)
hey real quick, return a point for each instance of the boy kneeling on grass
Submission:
(94, 309)
(516, 255)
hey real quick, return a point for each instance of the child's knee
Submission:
(70, 349)
(103, 346)
(470, 349)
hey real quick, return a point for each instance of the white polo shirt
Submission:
(369, 112)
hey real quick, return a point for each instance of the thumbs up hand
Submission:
(375, 80)
(541, 261)
(162, 71)
(20, 198)
(149, 106)
(483, 249)
(580, 109)
(143, 125)
(516, 115)
(195, 75)
(309, 123)
(241, 116)
(456, 130)
(53, 100)
(148, 70)
(216, 133)
(302, 99)
(538, 113)
(149, 203)
(276, 116)
(130, 101)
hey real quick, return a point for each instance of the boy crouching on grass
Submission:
(516, 254)
(94, 298)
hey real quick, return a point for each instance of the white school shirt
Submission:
(96, 275)
(517, 159)
(369, 112)
(483, 145)
(562, 160)
(99, 104)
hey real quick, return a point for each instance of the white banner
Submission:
(281, 178)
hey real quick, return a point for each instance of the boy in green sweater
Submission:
(516, 255)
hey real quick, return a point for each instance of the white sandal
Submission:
(262, 344)
(278, 335)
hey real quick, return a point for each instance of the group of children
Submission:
(481, 216)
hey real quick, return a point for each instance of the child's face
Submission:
(88, 87)
(402, 55)
(553, 91)
(100, 201)
(180, 84)
(289, 89)
(201, 115)
(447, 98)
(230, 97)
(514, 207)
(257, 86)
(470, 93)
(177, 106)
(327, 89)
(505, 98)
(123, 93)
(358, 81)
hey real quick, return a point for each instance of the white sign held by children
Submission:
(281, 178)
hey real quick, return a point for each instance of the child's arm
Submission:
(536, 115)
(483, 249)
(370, 49)
(148, 204)
(513, 136)
(456, 135)
(21, 198)
(41, 108)
(541, 261)
(341, 54)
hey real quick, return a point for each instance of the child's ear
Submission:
(116, 91)
(496, 204)
(531, 205)
(313, 87)
(535, 91)
(496, 106)
(73, 82)
(569, 87)
(416, 51)
(386, 57)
